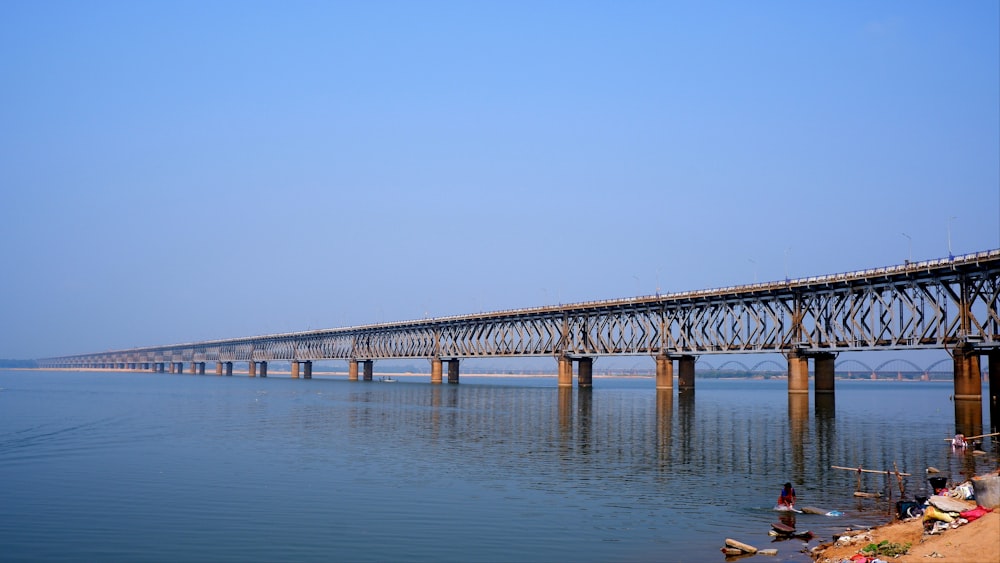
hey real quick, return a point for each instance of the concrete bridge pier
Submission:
(798, 372)
(993, 357)
(252, 368)
(218, 368)
(352, 370)
(453, 370)
(824, 368)
(968, 391)
(295, 369)
(435, 371)
(968, 384)
(565, 371)
(161, 367)
(368, 367)
(685, 373)
(194, 368)
(585, 373)
(229, 368)
(664, 372)
(263, 369)
(307, 369)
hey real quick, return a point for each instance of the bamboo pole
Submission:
(967, 438)
(899, 480)
(859, 469)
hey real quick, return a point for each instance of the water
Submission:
(156, 467)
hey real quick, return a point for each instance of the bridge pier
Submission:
(585, 372)
(436, 371)
(664, 372)
(453, 370)
(263, 369)
(968, 391)
(229, 368)
(824, 367)
(798, 372)
(218, 368)
(352, 370)
(968, 384)
(685, 373)
(565, 372)
(307, 369)
(295, 369)
(993, 357)
(194, 368)
(367, 369)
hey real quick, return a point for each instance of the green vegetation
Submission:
(886, 548)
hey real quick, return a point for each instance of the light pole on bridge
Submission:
(910, 255)
(950, 255)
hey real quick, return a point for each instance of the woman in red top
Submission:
(787, 497)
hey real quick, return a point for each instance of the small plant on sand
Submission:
(886, 548)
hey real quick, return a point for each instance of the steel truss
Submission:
(934, 304)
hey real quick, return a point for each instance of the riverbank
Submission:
(975, 542)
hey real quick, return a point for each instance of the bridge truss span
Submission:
(936, 304)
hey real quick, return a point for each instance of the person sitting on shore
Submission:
(786, 500)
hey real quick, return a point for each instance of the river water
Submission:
(110, 466)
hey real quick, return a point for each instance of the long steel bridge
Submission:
(948, 303)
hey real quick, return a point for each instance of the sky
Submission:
(176, 171)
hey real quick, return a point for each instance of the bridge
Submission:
(948, 303)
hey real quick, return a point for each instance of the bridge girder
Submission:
(927, 305)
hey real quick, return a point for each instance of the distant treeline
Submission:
(18, 363)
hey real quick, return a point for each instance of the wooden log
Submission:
(867, 495)
(767, 552)
(866, 470)
(733, 551)
(740, 545)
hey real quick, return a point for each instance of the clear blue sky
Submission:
(179, 171)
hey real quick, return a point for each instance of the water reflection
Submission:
(968, 417)
(664, 423)
(826, 428)
(798, 428)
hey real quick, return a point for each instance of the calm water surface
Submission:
(159, 467)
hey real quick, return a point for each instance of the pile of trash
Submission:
(948, 508)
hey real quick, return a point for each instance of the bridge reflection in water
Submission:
(624, 431)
